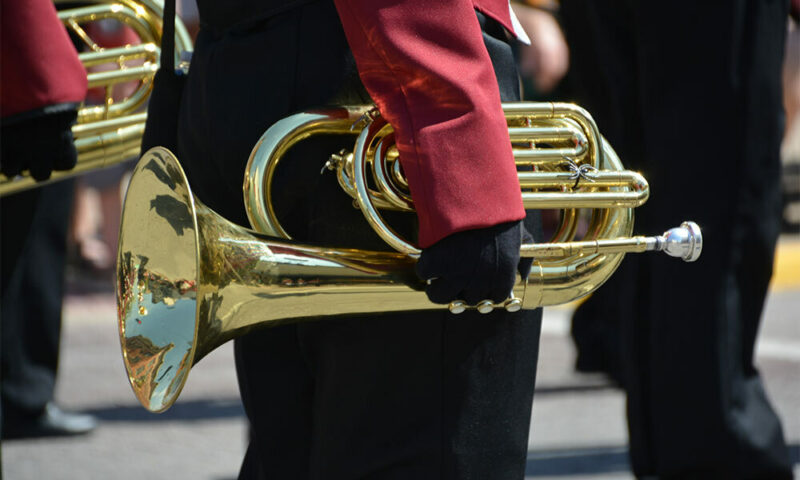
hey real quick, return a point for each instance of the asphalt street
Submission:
(578, 429)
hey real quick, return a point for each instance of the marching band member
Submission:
(43, 82)
(416, 395)
(696, 404)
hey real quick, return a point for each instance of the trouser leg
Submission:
(696, 404)
(34, 226)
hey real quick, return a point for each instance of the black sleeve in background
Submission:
(39, 141)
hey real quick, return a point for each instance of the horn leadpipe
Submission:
(685, 242)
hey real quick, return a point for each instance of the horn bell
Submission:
(188, 281)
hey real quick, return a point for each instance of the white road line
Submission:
(770, 348)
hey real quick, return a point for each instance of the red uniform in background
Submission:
(42, 84)
(40, 66)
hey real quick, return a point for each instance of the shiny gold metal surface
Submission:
(188, 280)
(562, 161)
(110, 133)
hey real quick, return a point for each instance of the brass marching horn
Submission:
(188, 280)
(111, 133)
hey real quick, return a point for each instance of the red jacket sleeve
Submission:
(39, 64)
(425, 65)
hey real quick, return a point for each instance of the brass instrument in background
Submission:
(111, 133)
(188, 280)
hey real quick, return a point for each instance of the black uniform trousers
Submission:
(418, 395)
(34, 227)
(689, 93)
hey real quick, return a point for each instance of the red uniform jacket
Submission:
(39, 64)
(426, 67)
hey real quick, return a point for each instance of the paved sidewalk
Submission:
(578, 428)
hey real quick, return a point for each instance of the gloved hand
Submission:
(40, 144)
(475, 265)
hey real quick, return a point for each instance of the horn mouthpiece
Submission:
(685, 242)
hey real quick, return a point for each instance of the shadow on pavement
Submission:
(577, 388)
(583, 461)
(577, 461)
(183, 410)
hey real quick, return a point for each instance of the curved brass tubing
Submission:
(188, 280)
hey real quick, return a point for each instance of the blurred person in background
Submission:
(543, 63)
(43, 83)
(689, 94)
(790, 149)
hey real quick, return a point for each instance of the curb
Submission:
(786, 270)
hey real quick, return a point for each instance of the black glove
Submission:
(475, 265)
(39, 144)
